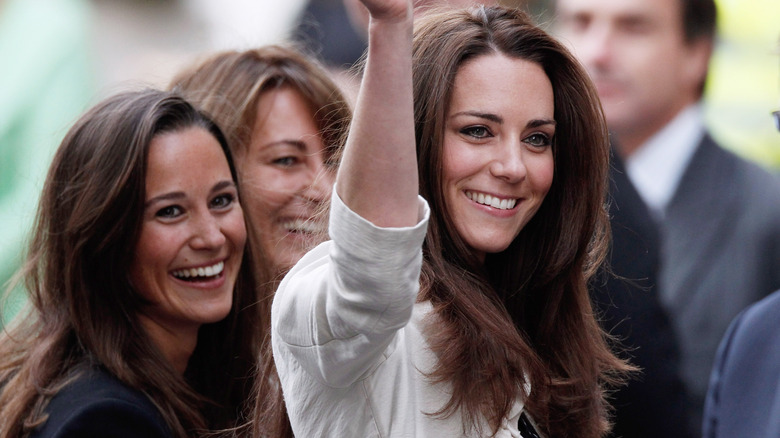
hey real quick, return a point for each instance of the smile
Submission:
(492, 201)
(194, 274)
(300, 225)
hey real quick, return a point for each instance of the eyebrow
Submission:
(298, 144)
(541, 122)
(180, 195)
(486, 116)
(535, 123)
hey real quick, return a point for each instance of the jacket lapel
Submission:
(696, 221)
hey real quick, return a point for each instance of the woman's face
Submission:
(284, 177)
(192, 235)
(498, 160)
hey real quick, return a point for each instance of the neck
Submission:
(632, 138)
(176, 344)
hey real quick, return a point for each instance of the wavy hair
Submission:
(84, 309)
(524, 317)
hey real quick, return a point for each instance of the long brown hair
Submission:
(228, 86)
(524, 317)
(84, 309)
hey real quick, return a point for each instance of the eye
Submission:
(286, 161)
(223, 201)
(476, 131)
(636, 26)
(169, 212)
(538, 140)
(577, 22)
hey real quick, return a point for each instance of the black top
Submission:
(96, 404)
(653, 404)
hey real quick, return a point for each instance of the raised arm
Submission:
(377, 178)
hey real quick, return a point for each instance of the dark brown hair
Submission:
(84, 309)
(699, 19)
(524, 317)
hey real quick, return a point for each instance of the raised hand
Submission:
(388, 9)
(377, 178)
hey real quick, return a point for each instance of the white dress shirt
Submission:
(657, 166)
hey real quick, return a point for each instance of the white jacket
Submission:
(348, 337)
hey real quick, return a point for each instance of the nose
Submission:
(508, 163)
(207, 233)
(595, 47)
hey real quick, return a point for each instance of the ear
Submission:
(697, 63)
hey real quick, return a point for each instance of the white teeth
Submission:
(208, 271)
(495, 202)
(299, 225)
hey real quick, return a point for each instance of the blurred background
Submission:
(59, 57)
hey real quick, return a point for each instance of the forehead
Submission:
(185, 156)
(496, 82)
(280, 102)
(666, 10)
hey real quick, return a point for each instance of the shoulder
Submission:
(751, 336)
(758, 323)
(97, 404)
(719, 174)
(746, 171)
(744, 381)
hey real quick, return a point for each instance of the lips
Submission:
(200, 274)
(492, 201)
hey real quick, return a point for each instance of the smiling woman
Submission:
(191, 243)
(136, 281)
(470, 318)
(496, 153)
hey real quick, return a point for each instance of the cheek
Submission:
(236, 229)
(541, 171)
(264, 191)
(457, 162)
(150, 260)
(645, 65)
(154, 247)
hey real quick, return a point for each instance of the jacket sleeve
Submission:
(340, 307)
(713, 405)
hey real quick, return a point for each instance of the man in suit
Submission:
(718, 215)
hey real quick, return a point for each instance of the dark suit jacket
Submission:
(720, 253)
(744, 393)
(99, 405)
(654, 403)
